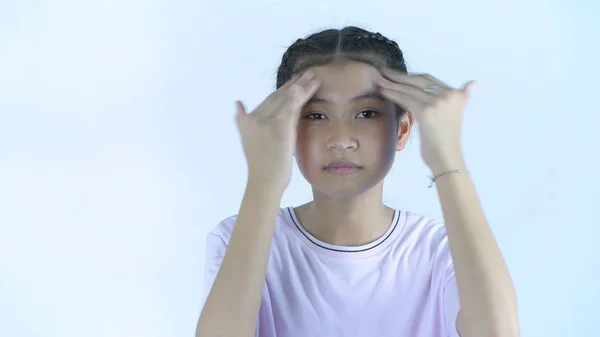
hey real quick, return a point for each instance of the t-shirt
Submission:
(402, 284)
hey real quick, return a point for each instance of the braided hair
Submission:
(350, 43)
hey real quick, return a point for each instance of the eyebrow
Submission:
(367, 95)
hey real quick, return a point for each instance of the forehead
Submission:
(344, 79)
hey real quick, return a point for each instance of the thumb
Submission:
(467, 88)
(240, 110)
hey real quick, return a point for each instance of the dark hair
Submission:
(350, 43)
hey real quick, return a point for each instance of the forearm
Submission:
(233, 303)
(487, 295)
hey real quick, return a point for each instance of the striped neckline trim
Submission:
(374, 247)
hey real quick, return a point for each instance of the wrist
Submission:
(265, 187)
(449, 164)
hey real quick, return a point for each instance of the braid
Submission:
(351, 43)
(378, 37)
(386, 50)
(395, 52)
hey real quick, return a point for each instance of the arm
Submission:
(232, 306)
(269, 135)
(487, 296)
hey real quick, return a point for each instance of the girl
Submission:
(345, 264)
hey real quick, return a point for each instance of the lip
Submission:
(342, 167)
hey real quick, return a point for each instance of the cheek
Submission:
(379, 144)
(304, 137)
(382, 134)
(381, 147)
(307, 146)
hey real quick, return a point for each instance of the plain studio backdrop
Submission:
(119, 152)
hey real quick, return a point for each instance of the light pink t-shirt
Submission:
(401, 285)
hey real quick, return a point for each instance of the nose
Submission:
(341, 138)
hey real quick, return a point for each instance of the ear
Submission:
(405, 124)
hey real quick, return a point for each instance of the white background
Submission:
(118, 151)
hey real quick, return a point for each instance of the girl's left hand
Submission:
(438, 111)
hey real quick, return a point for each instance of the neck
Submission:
(347, 222)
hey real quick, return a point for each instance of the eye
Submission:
(368, 114)
(315, 115)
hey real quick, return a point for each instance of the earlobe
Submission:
(404, 127)
(402, 139)
(400, 144)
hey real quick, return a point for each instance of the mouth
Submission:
(342, 167)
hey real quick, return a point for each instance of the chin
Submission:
(345, 187)
(339, 192)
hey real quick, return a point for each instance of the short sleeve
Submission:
(446, 286)
(216, 247)
(451, 303)
(215, 251)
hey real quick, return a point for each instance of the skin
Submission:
(317, 115)
(334, 126)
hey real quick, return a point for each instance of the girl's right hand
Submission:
(269, 132)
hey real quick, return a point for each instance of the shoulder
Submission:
(424, 229)
(426, 237)
(225, 227)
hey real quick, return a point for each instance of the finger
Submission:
(281, 94)
(393, 75)
(240, 110)
(468, 87)
(278, 97)
(291, 81)
(292, 100)
(302, 91)
(432, 79)
(420, 81)
(299, 77)
(412, 91)
(306, 77)
(405, 100)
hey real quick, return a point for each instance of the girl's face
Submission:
(347, 121)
